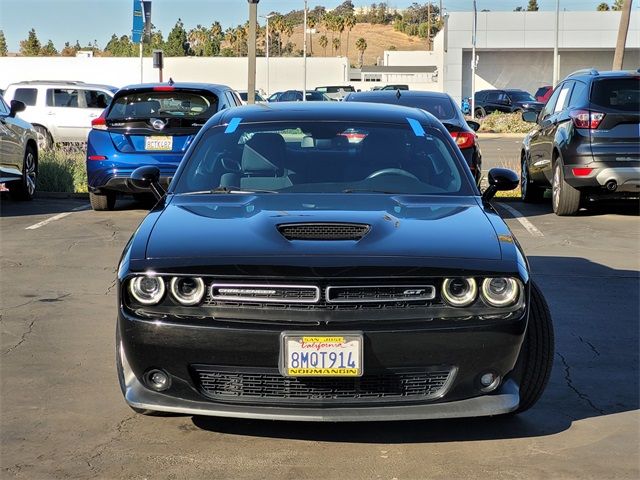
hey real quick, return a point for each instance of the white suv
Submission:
(60, 111)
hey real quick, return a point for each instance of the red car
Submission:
(543, 93)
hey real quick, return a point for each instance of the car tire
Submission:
(536, 354)
(564, 198)
(479, 113)
(106, 201)
(25, 189)
(529, 192)
(45, 141)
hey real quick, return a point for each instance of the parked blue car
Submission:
(147, 124)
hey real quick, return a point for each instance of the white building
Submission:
(515, 50)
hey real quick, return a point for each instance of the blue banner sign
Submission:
(138, 22)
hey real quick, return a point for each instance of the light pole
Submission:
(473, 60)
(304, 54)
(556, 65)
(251, 51)
(268, 41)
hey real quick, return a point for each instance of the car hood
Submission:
(531, 104)
(239, 225)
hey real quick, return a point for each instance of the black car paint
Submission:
(233, 236)
(486, 103)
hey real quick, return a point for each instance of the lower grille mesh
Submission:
(223, 384)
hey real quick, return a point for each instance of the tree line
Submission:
(420, 19)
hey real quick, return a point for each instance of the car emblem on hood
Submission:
(158, 124)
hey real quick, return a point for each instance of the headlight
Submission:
(459, 292)
(147, 289)
(500, 292)
(187, 290)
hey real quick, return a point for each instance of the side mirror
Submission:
(531, 117)
(475, 126)
(500, 179)
(147, 177)
(16, 106)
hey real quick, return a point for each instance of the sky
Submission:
(89, 20)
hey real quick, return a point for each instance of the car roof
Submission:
(595, 74)
(63, 83)
(212, 87)
(388, 94)
(323, 112)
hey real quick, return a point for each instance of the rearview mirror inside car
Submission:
(473, 125)
(16, 106)
(531, 117)
(500, 179)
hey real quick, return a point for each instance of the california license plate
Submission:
(324, 355)
(158, 143)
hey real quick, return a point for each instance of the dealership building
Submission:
(514, 50)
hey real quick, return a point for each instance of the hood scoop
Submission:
(323, 231)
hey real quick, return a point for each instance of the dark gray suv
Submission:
(586, 144)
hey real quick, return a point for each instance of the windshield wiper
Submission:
(228, 190)
(368, 190)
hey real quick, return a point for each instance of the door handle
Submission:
(51, 113)
(93, 115)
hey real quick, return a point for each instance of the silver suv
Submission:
(60, 111)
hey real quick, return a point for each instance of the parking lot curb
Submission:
(84, 196)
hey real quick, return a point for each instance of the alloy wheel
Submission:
(30, 173)
(524, 177)
(555, 191)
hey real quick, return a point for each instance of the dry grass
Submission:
(62, 169)
(379, 38)
(505, 123)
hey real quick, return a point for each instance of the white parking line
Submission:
(56, 217)
(530, 227)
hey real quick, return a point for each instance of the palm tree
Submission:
(231, 37)
(361, 46)
(349, 22)
(311, 24)
(324, 41)
(329, 21)
(336, 45)
(340, 24)
(288, 30)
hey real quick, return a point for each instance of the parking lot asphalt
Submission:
(62, 414)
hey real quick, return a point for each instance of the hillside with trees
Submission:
(361, 34)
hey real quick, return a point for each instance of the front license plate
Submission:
(158, 143)
(326, 355)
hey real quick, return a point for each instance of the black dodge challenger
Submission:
(297, 271)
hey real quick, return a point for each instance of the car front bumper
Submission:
(506, 399)
(470, 348)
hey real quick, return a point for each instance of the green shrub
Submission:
(62, 169)
(505, 123)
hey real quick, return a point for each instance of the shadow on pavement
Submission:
(596, 209)
(53, 206)
(595, 310)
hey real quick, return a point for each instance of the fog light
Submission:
(489, 381)
(158, 380)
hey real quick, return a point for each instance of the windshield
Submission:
(439, 107)
(244, 96)
(521, 97)
(323, 157)
(619, 94)
(180, 104)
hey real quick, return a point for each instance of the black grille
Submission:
(379, 293)
(250, 292)
(223, 384)
(323, 231)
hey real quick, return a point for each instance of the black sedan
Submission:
(441, 106)
(289, 273)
